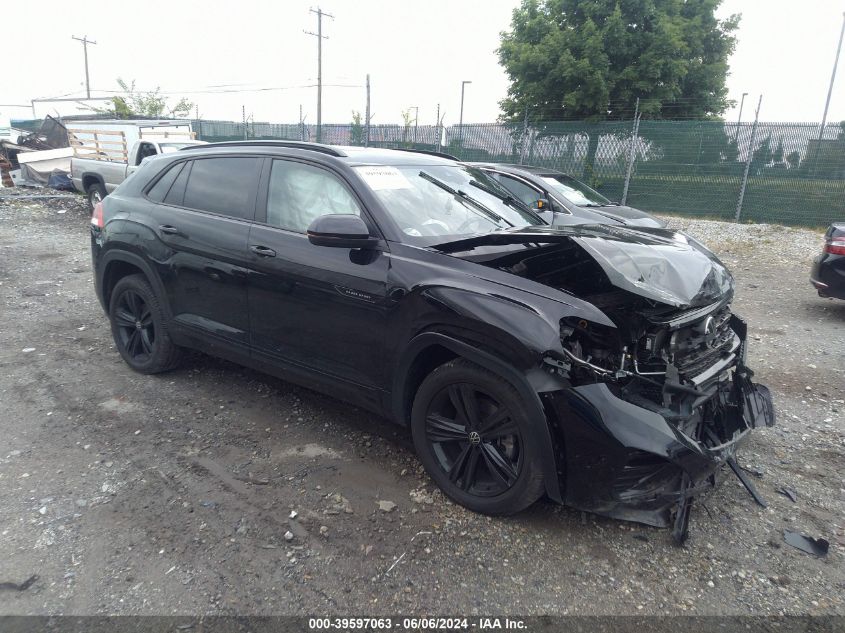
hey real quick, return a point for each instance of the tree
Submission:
(356, 131)
(152, 104)
(592, 59)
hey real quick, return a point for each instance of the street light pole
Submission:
(461, 120)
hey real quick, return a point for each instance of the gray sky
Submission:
(417, 54)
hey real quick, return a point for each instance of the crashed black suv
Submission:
(598, 365)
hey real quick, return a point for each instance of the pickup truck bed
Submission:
(100, 165)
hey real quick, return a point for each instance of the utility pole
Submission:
(367, 116)
(85, 42)
(461, 120)
(243, 119)
(739, 118)
(320, 37)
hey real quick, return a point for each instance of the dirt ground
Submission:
(173, 494)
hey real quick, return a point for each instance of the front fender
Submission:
(526, 384)
(512, 329)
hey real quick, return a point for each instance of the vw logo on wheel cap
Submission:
(474, 438)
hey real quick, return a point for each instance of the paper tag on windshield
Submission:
(383, 177)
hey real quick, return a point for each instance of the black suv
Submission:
(598, 365)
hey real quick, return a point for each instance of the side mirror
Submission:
(541, 205)
(342, 230)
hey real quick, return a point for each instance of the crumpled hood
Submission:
(659, 264)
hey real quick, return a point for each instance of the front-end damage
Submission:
(651, 410)
(649, 425)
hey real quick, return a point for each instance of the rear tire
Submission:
(96, 193)
(138, 325)
(470, 429)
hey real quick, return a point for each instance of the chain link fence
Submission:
(698, 168)
(787, 173)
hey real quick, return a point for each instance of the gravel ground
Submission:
(176, 494)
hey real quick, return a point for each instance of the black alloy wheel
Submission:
(474, 439)
(469, 427)
(138, 326)
(135, 328)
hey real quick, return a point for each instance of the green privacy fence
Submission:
(784, 172)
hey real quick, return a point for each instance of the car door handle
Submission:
(169, 229)
(262, 251)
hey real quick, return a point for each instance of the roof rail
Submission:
(314, 147)
(425, 151)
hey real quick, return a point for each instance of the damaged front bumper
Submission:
(628, 462)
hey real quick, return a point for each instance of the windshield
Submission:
(576, 192)
(431, 202)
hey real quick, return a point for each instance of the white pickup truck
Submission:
(101, 160)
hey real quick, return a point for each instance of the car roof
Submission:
(352, 156)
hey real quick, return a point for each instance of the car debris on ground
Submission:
(814, 546)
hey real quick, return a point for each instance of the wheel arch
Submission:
(118, 264)
(423, 354)
(89, 178)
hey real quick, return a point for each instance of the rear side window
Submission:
(225, 186)
(177, 191)
(162, 186)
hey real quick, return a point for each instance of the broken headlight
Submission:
(591, 351)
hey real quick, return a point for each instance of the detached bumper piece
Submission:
(632, 459)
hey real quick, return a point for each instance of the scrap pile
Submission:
(38, 159)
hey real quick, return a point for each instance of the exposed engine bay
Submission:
(660, 357)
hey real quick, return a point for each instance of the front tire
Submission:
(470, 429)
(138, 327)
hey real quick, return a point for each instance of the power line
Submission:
(226, 91)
